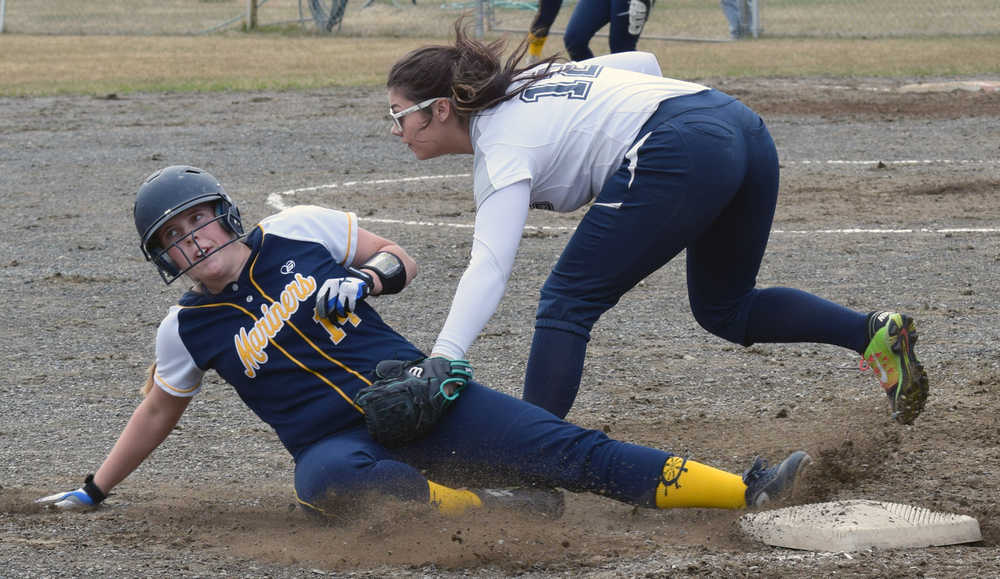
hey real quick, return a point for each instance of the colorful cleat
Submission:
(547, 502)
(767, 484)
(891, 338)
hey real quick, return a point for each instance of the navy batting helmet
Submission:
(167, 193)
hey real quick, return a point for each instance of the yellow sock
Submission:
(535, 45)
(686, 483)
(452, 502)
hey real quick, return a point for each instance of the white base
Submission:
(857, 525)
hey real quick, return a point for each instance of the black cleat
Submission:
(767, 484)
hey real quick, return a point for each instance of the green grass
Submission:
(47, 65)
(286, 55)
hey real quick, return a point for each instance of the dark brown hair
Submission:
(470, 72)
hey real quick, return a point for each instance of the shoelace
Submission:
(755, 472)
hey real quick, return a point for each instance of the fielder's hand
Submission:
(86, 497)
(340, 295)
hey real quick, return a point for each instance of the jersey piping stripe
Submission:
(311, 345)
(351, 226)
(310, 505)
(162, 382)
(633, 158)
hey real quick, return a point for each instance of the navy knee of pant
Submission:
(350, 463)
(577, 45)
(727, 320)
(567, 313)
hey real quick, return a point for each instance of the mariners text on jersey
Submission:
(251, 345)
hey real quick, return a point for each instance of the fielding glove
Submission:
(408, 399)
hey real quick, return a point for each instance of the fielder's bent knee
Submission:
(728, 323)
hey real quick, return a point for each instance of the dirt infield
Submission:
(890, 199)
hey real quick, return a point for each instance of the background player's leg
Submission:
(539, 30)
(588, 17)
(620, 37)
(734, 16)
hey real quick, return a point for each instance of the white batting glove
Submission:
(340, 296)
(86, 497)
(73, 500)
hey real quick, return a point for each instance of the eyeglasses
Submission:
(419, 106)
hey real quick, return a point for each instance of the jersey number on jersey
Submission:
(336, 331)
(573, 90)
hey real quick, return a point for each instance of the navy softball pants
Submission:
(487, 439)
(702, 175)
(588, 17)
(545, 16)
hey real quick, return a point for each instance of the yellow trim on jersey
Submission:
(310, 505)
(161, 381)
(350, 226)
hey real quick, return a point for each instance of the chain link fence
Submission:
(880, 18)
(705, 19)
(670, 19)
(155, 17)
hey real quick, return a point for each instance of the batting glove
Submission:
(86, 497)
(340, 295)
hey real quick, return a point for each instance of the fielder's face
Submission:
(194, 236)
(418, 128)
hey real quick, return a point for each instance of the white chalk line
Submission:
(277, 200)
(897, 162)
(846, 230)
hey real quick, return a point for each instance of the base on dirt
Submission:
(857, 525)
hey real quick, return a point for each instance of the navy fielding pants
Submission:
(702, 176)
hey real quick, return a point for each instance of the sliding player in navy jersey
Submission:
(251, 316)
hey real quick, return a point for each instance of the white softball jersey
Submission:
(552, 147)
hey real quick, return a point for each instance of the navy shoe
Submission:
(767, 484)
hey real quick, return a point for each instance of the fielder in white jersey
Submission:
(668, 165)
(548, 153)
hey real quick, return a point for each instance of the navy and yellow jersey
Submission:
(298, 373)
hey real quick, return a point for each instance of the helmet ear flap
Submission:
(167, 265)
(230, 215)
